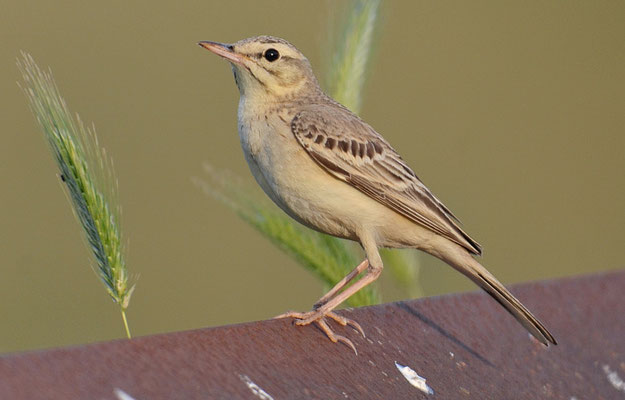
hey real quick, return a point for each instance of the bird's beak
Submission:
(224, 51)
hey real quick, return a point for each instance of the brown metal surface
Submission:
(465, 345)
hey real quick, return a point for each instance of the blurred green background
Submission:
(513, 114)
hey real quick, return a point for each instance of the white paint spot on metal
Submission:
(614, 379)
(414, 379)
(256, 390)
(121, 395)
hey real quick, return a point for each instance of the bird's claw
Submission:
(323, 325)
(346, 321)
(319, 318)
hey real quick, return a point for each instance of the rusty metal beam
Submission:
(465, 345)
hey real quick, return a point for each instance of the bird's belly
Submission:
(322, 202)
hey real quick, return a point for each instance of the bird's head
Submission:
(267, 66)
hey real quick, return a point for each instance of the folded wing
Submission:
(350, 150)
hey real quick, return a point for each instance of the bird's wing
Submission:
(350, 150)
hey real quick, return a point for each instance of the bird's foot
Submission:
(319, 318)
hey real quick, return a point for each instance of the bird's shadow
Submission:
(404, 306)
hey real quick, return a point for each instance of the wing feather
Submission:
(350, 150)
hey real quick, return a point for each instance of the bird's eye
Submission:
(272, 55)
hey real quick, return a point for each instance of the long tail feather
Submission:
(471, 268)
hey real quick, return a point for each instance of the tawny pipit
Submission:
(330, 170)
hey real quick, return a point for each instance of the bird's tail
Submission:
(471, 268)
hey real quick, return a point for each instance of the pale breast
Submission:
(250, 135)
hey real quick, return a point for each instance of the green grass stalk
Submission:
(347, 73)
(88, 175)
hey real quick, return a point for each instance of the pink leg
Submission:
(348, 278)
(332, 299)
(371, 275)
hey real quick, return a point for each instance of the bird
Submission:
(331, 171)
